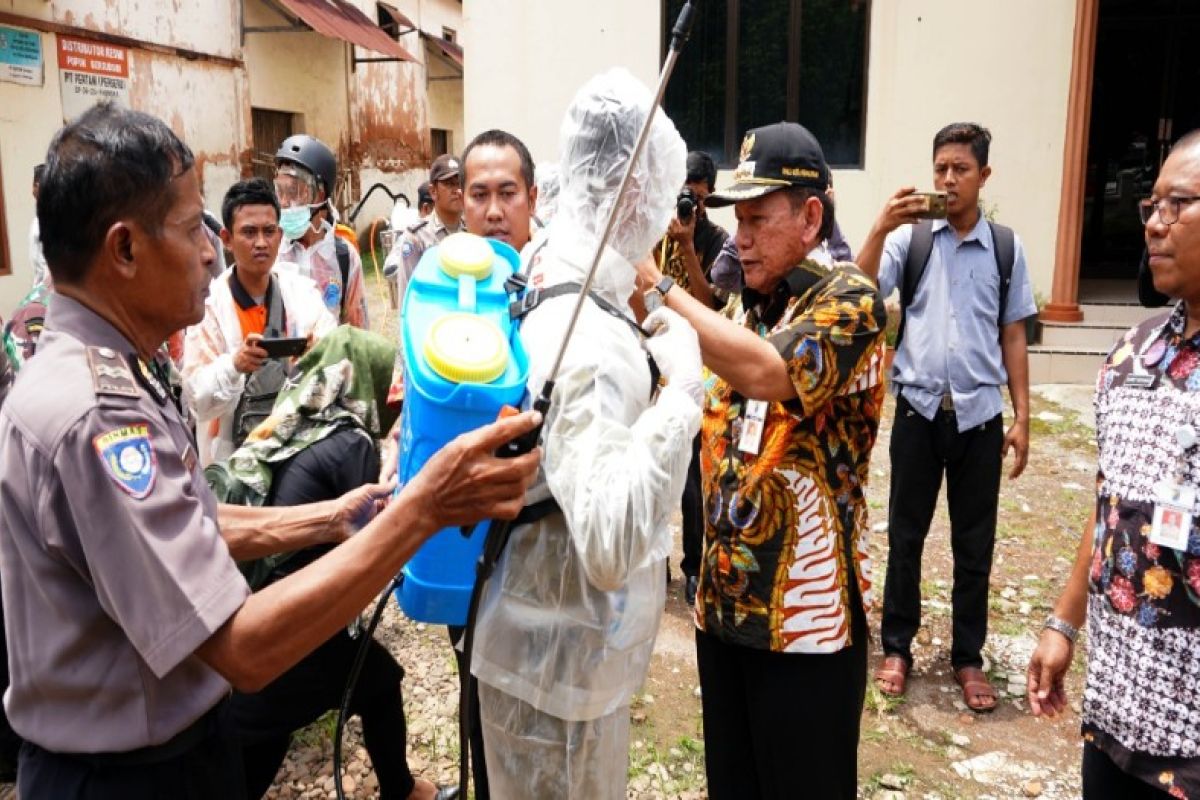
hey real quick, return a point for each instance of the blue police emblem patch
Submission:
(129, 458)
(333, 294)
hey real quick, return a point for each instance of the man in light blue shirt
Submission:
(963, 339)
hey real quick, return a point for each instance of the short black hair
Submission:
(969, 133)
(109, 164)
(798, 194)
(701, 167)
(498, 138)
(252, 192)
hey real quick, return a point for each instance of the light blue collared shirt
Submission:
(951, 340)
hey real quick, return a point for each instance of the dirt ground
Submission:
(927, 746)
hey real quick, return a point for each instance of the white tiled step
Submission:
(1119, 314)
(1065, 364)
(1081, 335)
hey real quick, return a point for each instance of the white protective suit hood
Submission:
(598, 135)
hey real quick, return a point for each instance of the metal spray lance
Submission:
(679, 35)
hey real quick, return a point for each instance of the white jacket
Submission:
(212, 386)
(568, 620)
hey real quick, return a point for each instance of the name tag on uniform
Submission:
(1173, 516)
(753, 420)
(1141, 380)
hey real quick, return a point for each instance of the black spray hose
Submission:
(352, 682)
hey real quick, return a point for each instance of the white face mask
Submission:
(295, 222)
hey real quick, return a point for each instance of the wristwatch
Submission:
(1065, 628)
(664, 286)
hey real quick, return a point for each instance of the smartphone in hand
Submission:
(284, 347)
(935, 205)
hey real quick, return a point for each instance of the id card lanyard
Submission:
(754, 413)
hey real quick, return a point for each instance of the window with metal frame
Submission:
(754, 62)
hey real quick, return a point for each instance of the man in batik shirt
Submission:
(1137, 570)
(794, 394)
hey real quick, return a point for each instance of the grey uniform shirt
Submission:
(419, 237)
(111, 563)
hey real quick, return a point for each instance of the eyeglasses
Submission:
(1167, 208)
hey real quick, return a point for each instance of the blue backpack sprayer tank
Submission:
(466, 366)
(464, 363)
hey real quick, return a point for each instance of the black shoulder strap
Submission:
(533, 298)
(1004, 247)
(276, 314)
(343, 256)
(919, 249)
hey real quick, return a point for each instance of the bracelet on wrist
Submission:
(1061, 626)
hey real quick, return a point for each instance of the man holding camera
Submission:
(686, 254)
(693, 242)
(965, 294)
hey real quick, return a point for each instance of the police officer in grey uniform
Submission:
(445, 186)
(127, 616)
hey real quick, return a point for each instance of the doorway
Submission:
(1143, 99)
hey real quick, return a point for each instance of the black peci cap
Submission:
(775, 157)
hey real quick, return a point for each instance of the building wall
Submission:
(525, 59)
(189, 94)
(930, 62)
(938, 61)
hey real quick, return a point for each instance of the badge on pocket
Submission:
(1173, 516)
(753, 420)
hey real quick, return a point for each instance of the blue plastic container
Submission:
(439, 578)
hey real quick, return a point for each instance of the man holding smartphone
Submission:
(965, 294)
(232, 365)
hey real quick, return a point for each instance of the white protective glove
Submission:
(676, 349)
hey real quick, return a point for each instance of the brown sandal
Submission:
(977, 691)
(894, 673)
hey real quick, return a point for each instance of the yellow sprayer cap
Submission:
(466, 254)
(465, 348)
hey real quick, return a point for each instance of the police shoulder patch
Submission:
(128, 458)
(110, 373)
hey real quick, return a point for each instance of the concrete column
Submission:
(1064, 292)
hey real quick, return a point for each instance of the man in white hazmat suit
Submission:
(568, 620)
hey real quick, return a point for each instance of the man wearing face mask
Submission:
(305, 175)
(567, 622)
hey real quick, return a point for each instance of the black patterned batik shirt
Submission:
(1142, 699)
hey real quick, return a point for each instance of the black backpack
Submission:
(1003, 249)
(264, 384)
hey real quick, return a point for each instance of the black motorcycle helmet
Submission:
(314, 156)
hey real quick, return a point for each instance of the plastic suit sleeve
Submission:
(617, 484)
(210, 381)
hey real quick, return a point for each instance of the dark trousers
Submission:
(782, 726)
(265, 720)
(692, 508)
(921, 451)
(206, 769)
(1104, 780)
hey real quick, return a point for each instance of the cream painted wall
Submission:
(1005, 65)
(526, 58)
(445, 97)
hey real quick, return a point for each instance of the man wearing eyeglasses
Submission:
(1136, 579)
(965, 294)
